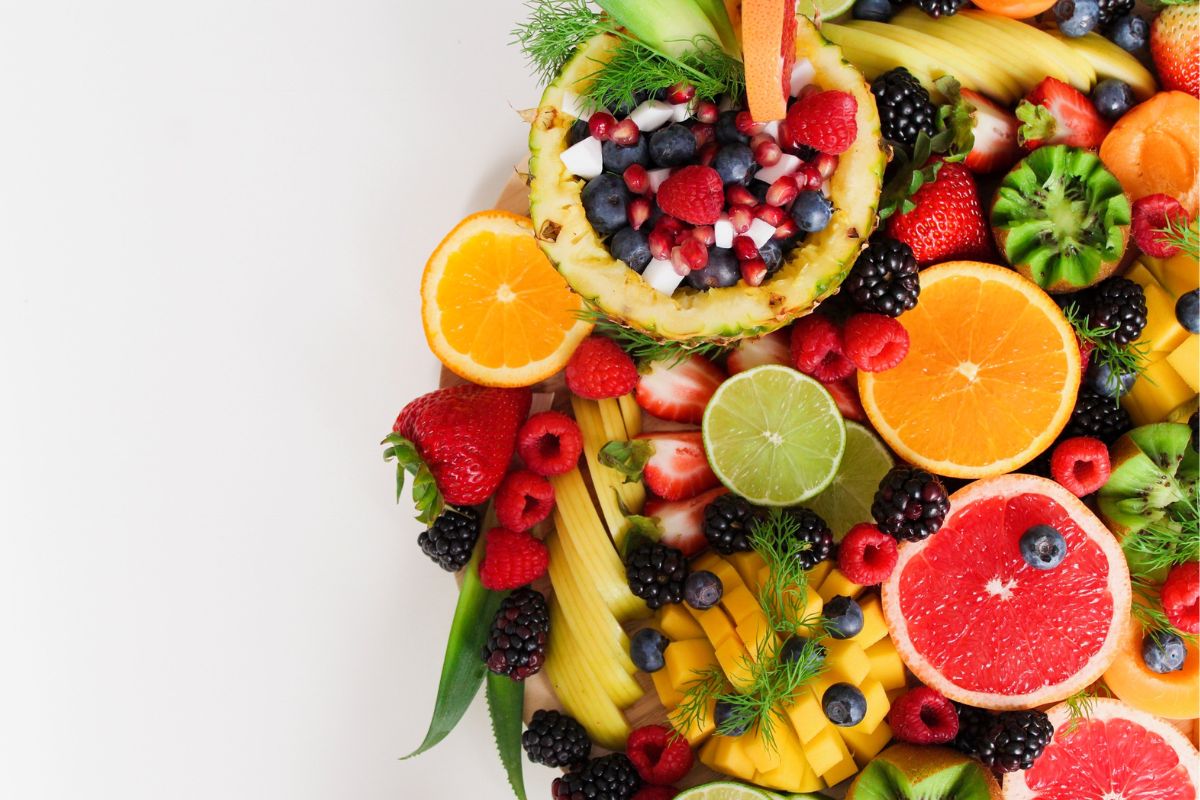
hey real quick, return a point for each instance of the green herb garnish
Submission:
(1181, 233)
(643, 346)
(1147, 610)
(1120, 360)
(784, 595)
(1080, 707)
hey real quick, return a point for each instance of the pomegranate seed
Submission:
(705, 235)
(637, 179)
(681, 92)
(707, 112)
(808, 176)
(826, 164)
(740, 218)
(601, 125)
(767, 154)
(707, 153)
(703, 133)
(785, 134)
(684, 235)
(744, 248)
(770, 214)
(669, 224)
(738, 195)
(782, 191)
(754, 271)
(746, 125)
(638, 212)
(679, 262)
(626, 132)
(759, 138)
(694, 254)
(786, 229)
(660, 243)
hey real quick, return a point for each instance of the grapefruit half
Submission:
(768, 54)
(1116, 752)
(974, 621)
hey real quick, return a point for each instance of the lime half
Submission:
(773, 435)
(847, 500)
(723, 790)
(822, 10)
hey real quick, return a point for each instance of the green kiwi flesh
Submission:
(906, 772)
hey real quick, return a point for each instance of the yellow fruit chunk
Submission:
(1162, 333)
(1185, 360)
(668, 695)
(716, 624)
(806, 717)
(741, 603)
(817, 575)
(1156, 393)
(865, 746)
(584, 609)
(847, 661)
(748, 565)
(631, 413)
(578, 689)
(886, 665)
(877, 705)
(793, 773)
(697, 729)
(763, 757)
(611, 489)
(722, 753)
(1178, 274)
(874, 626)
(841, 770)
(711, 562)
(757, 636)
(685, 659)
(678, 624)
(838, 584)
(826, 751)
(577, 638)
(735, 663)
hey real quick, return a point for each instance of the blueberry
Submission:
(1129, 32)
(619, 157)
(759, 189)
(1187, 310)
(874, 10)
(844, 705)
(605, 201)
(1112, 98)
(843, 617)
(721, 271)
(1163, 652)
(794, 647)
(1043, 547)
(772, 255)
(721, 713)
(1103, 381)
(734, 162)
(811, 211)
(726, 130)
(578, 132)
(1077, 17)
(632, 247)
(646, 649)
(672, 146)
(702, 590)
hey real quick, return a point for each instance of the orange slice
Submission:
(495, 310)
(990, 378)
(768, 53)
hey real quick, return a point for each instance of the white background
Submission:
(213, 219)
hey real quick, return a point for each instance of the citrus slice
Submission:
(773, 435)
(723, 790)
(1116, 752)
(847, 500)
(495, 311)
(768, 53)
(990, 377)
(1174, 695)
(823, 10)
(971, 619)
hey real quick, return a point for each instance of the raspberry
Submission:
(867, 555)
(660, 756)
(1181, 597)
(875, 342)
(923, 716)
(824, 121)
(693, 194)
(512, 559)
(1080, 465)
(523, 500)
(599, 368)
(550, 443)
(817, 349)
(1150, 215)
(656, 793)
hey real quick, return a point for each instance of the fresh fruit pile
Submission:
(830, 423)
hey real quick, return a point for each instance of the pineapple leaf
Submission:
(506, 705)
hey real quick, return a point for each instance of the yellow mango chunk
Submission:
(757, 636)
(846, 660)
(721, 754)
(741, 603)
(874, 626)
(764, 757)
(826, 751)
(865, 746)
(793, 773)
(817, 575)
(711, 562)
(678, 624)
(715, 622)
(806, 717)
(698, 728)
(1163, 332)
(878, 705)
(668, 695)
(1178, 274)
(840, 771)
(1156, 393)
(838, 584)
(735, 662)
(886, 665)
(748, 565)
(685, 659)
(1185, 360)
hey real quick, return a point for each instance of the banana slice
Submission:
(1035, 42)
(875, 55)
(956, 64)
(1110, 61)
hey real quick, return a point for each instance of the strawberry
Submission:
(845, 394)
(678, 392)
(693, 194)
(995, 130)
(825, 121)
(946, 221)
(457, 443)
(1057, 113)
(672, 463)
(769, 349)
(681, 522)
(1175, 47)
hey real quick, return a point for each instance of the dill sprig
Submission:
(553, 31)
(643, 346)
(1120, 360)
(699, 695)
(1181, 233)
(634, 68)
(1147, 610)
(1161, 545)
(784, 595)
(1080, 707)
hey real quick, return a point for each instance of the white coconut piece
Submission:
(585, 158)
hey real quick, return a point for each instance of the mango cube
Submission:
(1156, 393)
(826, 751)
(715, 622)
(757, 636)
(847, 661)
(711, 562)
(817, 575)
(678, 624)
(685, 659)
(735, 662)
(865, 746)
(806, 717)
(840, 771)
(878, 705)
(793, 773)
(1178, 274)
(1163, 332)
(764, 757)
(699, 728)
(838, 584)
(874, 625)
(886, 665)
(722, 754)
(741, 603)
(1185, 360)
(748, 565)
(668, 695)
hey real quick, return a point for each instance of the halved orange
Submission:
(495, 310)
(990, 378)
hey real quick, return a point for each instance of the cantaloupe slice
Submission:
(768, 52)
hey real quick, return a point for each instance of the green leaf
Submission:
(628, 458)
(463, 667)
(506, 703)
(1038, 122)
(426, 495)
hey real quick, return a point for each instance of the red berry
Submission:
(550, 443)
(741, 218)
(782, 192)
(754, 271)
(626, 132)
(923, 716)
(599, 368)
(1181, 597)
(660, 756)
(1151, 214)
(656, 793)
(680, 93)
(694, 194)
(867, 555)
(638, 211)
(704, 134)
(824, 121)
(817, 349)
(523, 500)
(745, 124)
(738, 195)
(875, 342)
(512, 559)
(601, 125)
(637, 178)
(707, 112)
(1080, 465)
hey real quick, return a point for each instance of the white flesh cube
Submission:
(657, 177)
(681, 111)
(584, 158)
(573, 104)
(772, 129)
(760, 232)
(660, 273)
(651, 115)
(723, 232)
(802, 75)
(788, 164)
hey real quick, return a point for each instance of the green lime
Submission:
(827, 9)
(723, 790)
(847, 501)
(773, 435)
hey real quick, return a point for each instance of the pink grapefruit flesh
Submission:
(974, 621)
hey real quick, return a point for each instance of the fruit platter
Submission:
(819, 405)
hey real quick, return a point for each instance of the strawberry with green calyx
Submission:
(672, 463)
(912, 168)
(457, 443)
(984, 133)
(1175, 47)
(1057, 113)
(944, 220)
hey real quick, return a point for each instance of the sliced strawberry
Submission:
(1057, 113)
(678, 392)
(769, 349)
(995, 131)
(845, 394)
(682, 521)
(672, 463)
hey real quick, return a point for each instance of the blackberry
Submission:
(1116, 303)
(516, 644)
(904, 105)
(1097, 416)
(1111, 9)
(911, 504)
(727, 523)
(656, 573)
(815, 533)
(1008, 741)
(611, 777)
(884, 278)
(938, 8)
(555, 740)
(451, 539)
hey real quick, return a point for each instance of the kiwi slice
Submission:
(908, 772)
(1150, 497)
(1061, 218)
